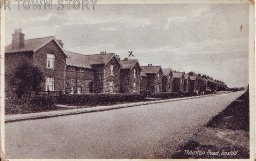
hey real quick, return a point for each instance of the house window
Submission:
(72, 90)
(134, 87)
(134, 73)
(111, 86)
(157, 89)
(112, 70)
(79, 90)
(50, 61)
(49, 84)
(158, 76)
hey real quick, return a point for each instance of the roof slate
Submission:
(150, 69)
(30, 44)
(128, 64)
(166, 71)
(86, 61)
(177, 74)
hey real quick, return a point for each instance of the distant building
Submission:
(178, 82)
(151, 79)
(167, 80)
(46, 53)
(130, 78)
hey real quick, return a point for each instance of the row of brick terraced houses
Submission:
(78, 73)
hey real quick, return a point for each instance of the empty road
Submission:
(147, 131)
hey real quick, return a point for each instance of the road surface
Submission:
(147, 131)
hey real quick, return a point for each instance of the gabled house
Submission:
(79, 74)
(167, 80)
(193, 83)
(46, 53)
(178, 82)
(186, 83)
(151, 79)
(130, 78)
(100, 72)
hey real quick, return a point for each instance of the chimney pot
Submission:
(149, 64)
(60, 42)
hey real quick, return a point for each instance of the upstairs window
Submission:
(112, 70)
(158, 76)
(49, 84)
(50, 61)
(134, 73)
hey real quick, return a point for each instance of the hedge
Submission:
(165, 95)
(87, 99)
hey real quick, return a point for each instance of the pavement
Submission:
(142, 132)
(48, 114)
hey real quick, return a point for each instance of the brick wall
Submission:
(109, 78)
(79, 77)
(58, 72)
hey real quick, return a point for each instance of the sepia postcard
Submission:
(139, 79)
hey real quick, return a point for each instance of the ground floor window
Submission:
(157, 89)
(134, 87)
(111, 86)
(72, 90)
(49, 84)
(79, 90)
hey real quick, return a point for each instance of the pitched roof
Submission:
(128, 64)
(192, 77)
(150, 69)
(166, 71)
(33, 45)
(78, 60)
(85, 61)
(186, 76)
(177, 74)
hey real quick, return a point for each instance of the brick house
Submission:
(151, 79)
(97, 73)
(186, 83)
(178, 82)
(46, 53)
(79, 74)
(167, 80)
(130, 76)
(193, 83)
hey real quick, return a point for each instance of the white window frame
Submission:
(72, 90)
(49, 84)
(50, 60)
(134, 73)
(111, 86)
(79, 91)
(134, 87)
(111, 70)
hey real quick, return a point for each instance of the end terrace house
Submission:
(167, 80)
(94, 73)
(46, 53)
(130, 76)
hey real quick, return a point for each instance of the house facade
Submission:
(130, 76)
(167, 80)
(79, 75)
(46, 53)
(178, 82)
(151, 79)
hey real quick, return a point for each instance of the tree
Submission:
(27, 79)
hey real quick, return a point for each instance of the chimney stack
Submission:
(60, 42)
(18, 39)
(149, 64)
(125, 59)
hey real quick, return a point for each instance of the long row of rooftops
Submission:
(19, 44)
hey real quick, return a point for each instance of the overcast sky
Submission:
(205, 38)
